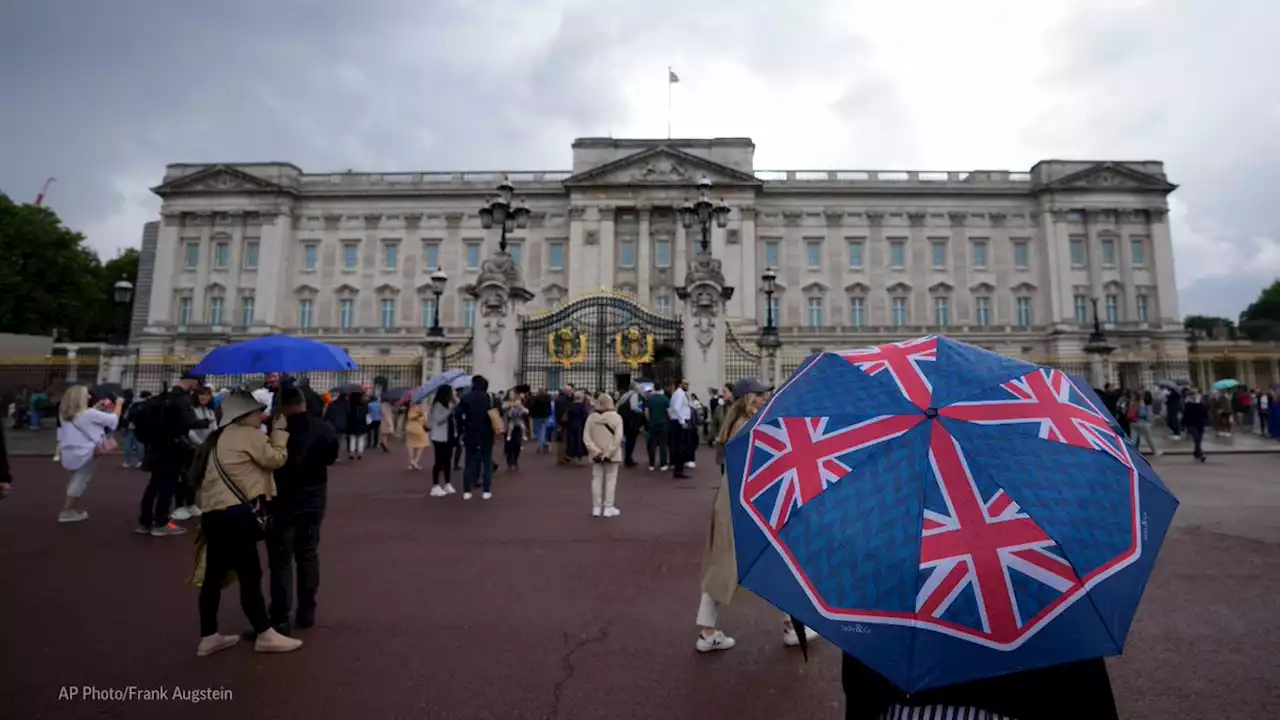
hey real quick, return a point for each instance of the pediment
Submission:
(815, 287)
(305, 288)
(899, 287)
(661, 165)
(941, 287)
(1023, 287)
(857, 288)
(348, 289)
(1109, 176)
(387, 289)
(984, 287)
(215, 287)
(554, 290)
(218, 179)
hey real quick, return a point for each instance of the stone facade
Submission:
(1006, 260)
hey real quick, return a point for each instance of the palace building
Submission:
(1015, 261)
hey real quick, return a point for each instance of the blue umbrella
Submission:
(274, 353)
(945, 514)
(1225, 384)
(445, 378)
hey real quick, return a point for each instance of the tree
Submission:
(1261, 320)
(122, 267)
(49, 279)
(1210, 326)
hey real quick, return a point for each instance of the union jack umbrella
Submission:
(944, 513)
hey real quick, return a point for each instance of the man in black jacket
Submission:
(298, 510)
(168, 457)
(477, 437)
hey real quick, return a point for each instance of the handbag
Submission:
(256, 507)
(103, 446)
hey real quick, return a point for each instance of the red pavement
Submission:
(524, 607)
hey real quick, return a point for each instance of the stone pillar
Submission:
(644, 259)
(160, 309)
(704, 294)
(114, 365)
(272, 289)
(1162, 257)
(1098, 371)
(433, 357)
(680, 253)
(500, 296)
(608, 272)
(1095, 259)
(750, 273)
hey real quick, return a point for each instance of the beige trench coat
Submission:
(719, 559)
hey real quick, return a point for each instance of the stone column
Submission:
(608, 262)
(433, 357)
(644, 256)
(500, 296)
(73, 370)
(272, 284)
(160, 310)
(199, 293)
(579, 271)
(1095, 258)
(1162, 256)
(680, 253)
(704, 294)
(750, 273)
(1097, 371)
(114, 365)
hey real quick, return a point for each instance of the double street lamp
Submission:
(438, 280)
(504, 213)
(704, 212)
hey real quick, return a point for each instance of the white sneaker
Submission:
(449, 489)
(437, 491)
(194, 511)
(717, 641)
(181, 514)
(666, 468)
(596, 510)
(466, 496)
(650, 468)
(791, 639)
(691, 464)
(71, 516)
(487, 496)
(611, 512)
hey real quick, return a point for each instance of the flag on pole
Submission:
(672, 77)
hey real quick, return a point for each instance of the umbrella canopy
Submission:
(943, 513)
(1226, 384)
(448, 377)
(347, 389)
(1174, 384)
(107, 390)
(274, 353)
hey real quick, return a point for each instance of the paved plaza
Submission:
(526, 607)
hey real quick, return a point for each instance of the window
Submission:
(430, 256)
(855, 255)
(1108, 252)
(941, 311)
(1021, 254)
(215, 311)
(428, 312)
(627, 254)
(251, 255)
(468, 312)
(662, 252)
(555, 256)
(813, 314)
(980, 255)
(350, 256)
(898, 312)
(246, 311)
(473, 256)
(662, 304)
(938, 255)
(184, 311)
(897, 254)
(813, 255)
(221, 255)
(387, 313)
(304, 314)
(390, 256)
(982, 311)
(1075, 216)
(857, 311)
(516, 251)
(1141, 308)
(1113, 308)
(1082, 309)
(310, 257)
(346, 313)
(192, 255)
(1024, 311)
(1138, 248)
(771, 254)
(1077, 252)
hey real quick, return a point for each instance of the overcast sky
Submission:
(103, 94)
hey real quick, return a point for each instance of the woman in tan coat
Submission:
(602, 434)
(237, 482)
(719, 560)
(415, 434)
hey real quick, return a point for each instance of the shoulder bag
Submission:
(101, 446)
(256, 507)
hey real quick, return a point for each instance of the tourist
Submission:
(238, 461)
(184, 500)
(631, 408)
(1223, 410)
(83, 437)
(134, 450)
(1140, 422)
(357, 426)
(719, 560)
(603, 437)
(539, 413)
(575, 424)
(1195, 419)
(337, 410)
(478, 432)
(1263, 402)
(562, 403)
(681, 414)
(1173, 413)
(444, 438)
(515, 416)
(297, 511)
(164, 423)
(657, 421)
(386, 422)
(415, 435)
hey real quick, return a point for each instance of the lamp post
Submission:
(704, 212)
(1098, 348)
(769, 340)
(439, 279)
(122, 296)
(504, 213)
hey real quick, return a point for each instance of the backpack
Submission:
(149, 419)
(1133, 412)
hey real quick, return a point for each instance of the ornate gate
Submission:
(599, 342)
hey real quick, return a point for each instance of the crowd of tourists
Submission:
(1187, 411)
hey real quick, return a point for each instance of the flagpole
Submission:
(669, 84)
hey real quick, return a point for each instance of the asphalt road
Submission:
(526, 607)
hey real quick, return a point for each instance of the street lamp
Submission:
(704, 211)
(122, 296)
(506, 215)
(439, 279)
(769, 336)
(1097, 346)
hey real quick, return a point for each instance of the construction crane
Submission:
(43, 189)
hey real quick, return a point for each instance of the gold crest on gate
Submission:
(561, 347)
(634, 348)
